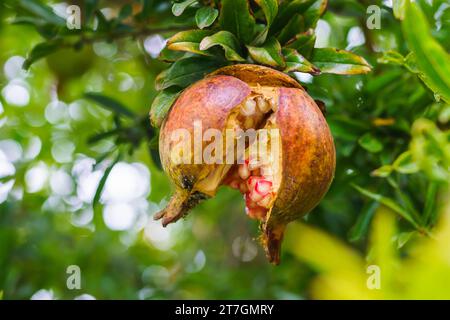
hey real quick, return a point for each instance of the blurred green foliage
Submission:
(82, 106)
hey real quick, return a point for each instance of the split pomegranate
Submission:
(279, 185)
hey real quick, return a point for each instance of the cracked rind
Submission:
(258, 75)
(308, 164)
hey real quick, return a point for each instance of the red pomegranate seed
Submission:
(255, 196)
(263, 187)
(252, 181)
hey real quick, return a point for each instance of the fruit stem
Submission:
(179, 205)
(272, 243)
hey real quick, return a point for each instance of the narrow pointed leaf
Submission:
(227, 41)
(269, 54)
(270, 9)
(40, 51)
(361, 226)
(314, 12)
(303, 43)
(295, 26)
(330, 60)
(391, 204)
(398, 6)
(296, 62)
(236, 18)
(110, 104)
(286, 11)
(432, 60)
(188, 41)
(405, 164)
(41, 10)
(101, 184)
(383, 171)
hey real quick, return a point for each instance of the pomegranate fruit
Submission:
(278, 188)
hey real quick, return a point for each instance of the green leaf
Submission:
(89, 8)
(303, 43)
(405, 200)
(383, 171)
(125, 12)
(101, 184)
(154, 155)
(204, 17)
(430, 211)
(160, 78)
(42, 11)
(235, 17)
(269, 54)
(432, 60)
(161, 105)
(392, 57)
(188, 41)
(346, 128)
(168, 55)
(6, 178)
(362, 223)
(330, 60)
(295, 26)
(270, 9)
(227, 41)
(103, 135)
(103, 24)
(178, 8)
(404, 237)
(110, 104)
(398, 6)
(296, 62)
(314, 12)
(188, 70)
(391, 204)
(40, 51)
(370, 143)
(405, 163)
(287, 10)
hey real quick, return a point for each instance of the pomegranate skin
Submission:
(308, 164)
(307, 150)
(208, 101)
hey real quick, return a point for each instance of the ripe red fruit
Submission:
(283, 186)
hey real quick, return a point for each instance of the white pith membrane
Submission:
(255, 174)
